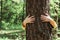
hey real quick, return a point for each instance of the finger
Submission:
(46, 14)
(28, 16)
(43, 16)
(31, 22)
(33, 19)
(32, 16)
(43, 21)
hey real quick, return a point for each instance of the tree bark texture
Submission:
(38, 30)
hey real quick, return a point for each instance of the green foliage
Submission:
(55, 13)
(54, 8)
(12, 12)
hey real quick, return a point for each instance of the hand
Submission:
(46, 18)
(29, 19)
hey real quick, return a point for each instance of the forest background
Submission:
(14, 12)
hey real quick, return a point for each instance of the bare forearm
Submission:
(53, 23)
(24, 25)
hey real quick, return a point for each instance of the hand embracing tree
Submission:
(38, 30)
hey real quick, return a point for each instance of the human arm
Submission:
(28, 19)
(47, 18)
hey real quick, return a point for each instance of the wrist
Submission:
(24, 22)
(24, 25)
(50, 19)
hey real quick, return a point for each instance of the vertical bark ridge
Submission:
(38, 30)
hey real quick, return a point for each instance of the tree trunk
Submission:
(38, 30)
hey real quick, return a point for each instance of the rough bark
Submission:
(38, 30)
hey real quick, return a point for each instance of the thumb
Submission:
(46, 14)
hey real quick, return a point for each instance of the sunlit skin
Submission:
(44, 18)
